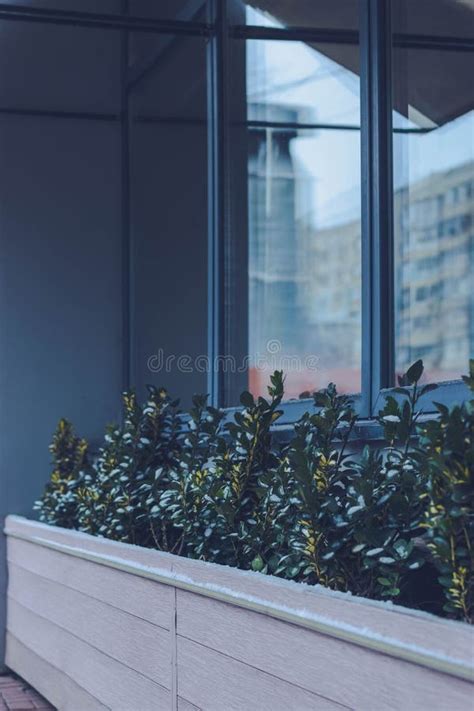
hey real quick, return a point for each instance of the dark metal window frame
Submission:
(375, 40)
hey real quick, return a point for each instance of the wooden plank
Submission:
(394, 630)
(131, 640)
(443, 637)
(184, 705)
(52, 683)
(112, 683)
(439, 636)
(16, 525)
(174, 659)
(141, 597)
(214, 682)
(340, 671)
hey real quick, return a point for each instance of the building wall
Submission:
(91, 261)
(60, 248)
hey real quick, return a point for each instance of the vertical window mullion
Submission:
(377, 201)
(126, 251)
(217, 193)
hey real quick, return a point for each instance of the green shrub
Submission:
(58, 505)
(314, 510)
(131, 469)
(447, 446)
(316, 472)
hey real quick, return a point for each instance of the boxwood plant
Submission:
(391, 522)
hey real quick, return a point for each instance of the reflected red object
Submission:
(346, 379)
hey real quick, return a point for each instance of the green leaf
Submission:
(373, 552)
(246, 399)
(414, 372)
(258, 563)
(401, 391)
(428, 388)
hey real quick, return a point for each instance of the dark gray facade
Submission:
(135, 175)
(102, 264)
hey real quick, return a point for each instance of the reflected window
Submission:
(303, 191)
(433, 146)
(161, 9)
(167, 182)
(337, 15)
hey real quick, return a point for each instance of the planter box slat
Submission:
(184, 705)
(61, 690)
(215, 682)
(102, 676)
(228, 639)
(137, 644)
(409, 626)
(130, 593)
(441, 636)
(312, 661)
(146, 557)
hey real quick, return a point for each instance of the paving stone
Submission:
(16, 695)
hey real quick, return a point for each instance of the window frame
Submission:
(376, 41)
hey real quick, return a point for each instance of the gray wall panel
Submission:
(169, 238)
(60, 292)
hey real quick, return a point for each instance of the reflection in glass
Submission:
(168, 211)
(338, 15)
(155, 9)
(434, 204)
(303, 216)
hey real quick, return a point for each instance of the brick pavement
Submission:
(16, 695)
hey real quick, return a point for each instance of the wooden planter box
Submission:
(95, 624)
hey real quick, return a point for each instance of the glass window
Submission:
(183, 10)
(337, 15)
(167, 106)
(104, 172)
(290, 261)
(302, 116)
(155, 9)
(61, 68)
(99, 6)
(433, 144)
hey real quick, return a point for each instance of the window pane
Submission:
(113, 167)
(184, 10)
(302, 118)
(99, 6)
(156, 9)
(339, 14)
(168, 212)
(434, 193)
(57, 68)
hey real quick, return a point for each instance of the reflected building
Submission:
(334, 302)
(305, 282)
(434, 290)
(276, 184)
(434, 221)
